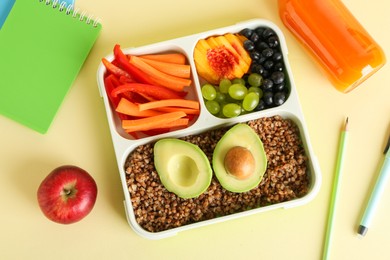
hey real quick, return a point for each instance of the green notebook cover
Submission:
(42, 49)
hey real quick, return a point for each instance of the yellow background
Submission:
(80, 136)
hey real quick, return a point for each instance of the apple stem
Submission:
(67, 192)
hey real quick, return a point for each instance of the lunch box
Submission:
(124, 143)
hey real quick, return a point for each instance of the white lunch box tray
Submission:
(124, 144)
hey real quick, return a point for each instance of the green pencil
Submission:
(334, 195)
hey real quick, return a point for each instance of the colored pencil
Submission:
(335, 190)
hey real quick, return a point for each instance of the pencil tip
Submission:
(387, 146)
(362, 230)
(346, 124)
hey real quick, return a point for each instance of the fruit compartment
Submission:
(124, 144)
(259, 53)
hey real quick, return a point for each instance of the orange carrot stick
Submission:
(177, 70)
(175, 123)
(188, 111)
(163, 79)
(169, 103)
(128, 108)
(149, 123)
(176, 57)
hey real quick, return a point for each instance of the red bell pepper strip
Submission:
(110, 84)
(124, 80)
(116, 70)
(153, 91)
(156, 131)
(136, 73)
(135, 97)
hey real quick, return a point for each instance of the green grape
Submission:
(231, 98)
(231, 110)
(251, 100)
(209, 92)
(256, 90)
(213, 106)
(224, 85)
(220, 97)
(238, 81)
(238, 91)
(255, 79)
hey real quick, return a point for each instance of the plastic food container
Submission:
(124, 144)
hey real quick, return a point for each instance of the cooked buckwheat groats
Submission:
(286, 178)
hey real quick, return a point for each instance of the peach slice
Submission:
(219, 57)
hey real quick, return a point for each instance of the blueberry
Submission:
(279, 87)
(247, 32)
(277, 77)
(262, 59)
(268, 32)
(273, 41)
(268, 52)
(254, 37)
(265, 73)
(257, 68)
(268, 64)
(279, 98)
(277, 56)
(261, 45)
(267, 84)
(268, 98)
(259, 30)
(278, 66)
(249, 45)
(261, 105)
(255, 55)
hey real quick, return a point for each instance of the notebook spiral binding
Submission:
(69, 11)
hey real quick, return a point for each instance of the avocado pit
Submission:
(239, 159)
(239, 162)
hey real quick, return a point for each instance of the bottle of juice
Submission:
(343, 48)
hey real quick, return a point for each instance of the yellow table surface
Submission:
(80, 136)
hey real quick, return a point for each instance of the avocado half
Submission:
(183, 167)
(250, 146)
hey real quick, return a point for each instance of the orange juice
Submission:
(343, 48)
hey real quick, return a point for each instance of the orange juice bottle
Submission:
(343, 48)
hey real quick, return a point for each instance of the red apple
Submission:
(67, 194)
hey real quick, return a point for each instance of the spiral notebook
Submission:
(43, 46)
